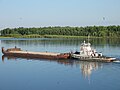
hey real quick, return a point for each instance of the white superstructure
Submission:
(86, 51)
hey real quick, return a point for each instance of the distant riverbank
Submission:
(41, 36)
(63, 32)
(49, 36)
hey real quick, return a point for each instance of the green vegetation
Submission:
(52, 32)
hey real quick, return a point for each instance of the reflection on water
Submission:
(33, 74)
(63, 41)
(64, 62)
(106, 46)
(86, 67)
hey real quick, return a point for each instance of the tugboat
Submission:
(89, 54)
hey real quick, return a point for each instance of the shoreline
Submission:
(50, 36)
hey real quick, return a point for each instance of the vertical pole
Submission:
(88, 38)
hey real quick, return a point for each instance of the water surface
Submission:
(41, 74)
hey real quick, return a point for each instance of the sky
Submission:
(44, 13)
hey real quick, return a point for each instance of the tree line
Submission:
(97, 31)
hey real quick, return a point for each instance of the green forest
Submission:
(95, 31)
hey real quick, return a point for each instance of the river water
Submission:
(43, 74)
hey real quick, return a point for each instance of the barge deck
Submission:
(17, 52)
(47, 55)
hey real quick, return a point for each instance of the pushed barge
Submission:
(89, 54)
(17, 52)
(86, 54)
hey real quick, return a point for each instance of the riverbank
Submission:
(48, 36)
(64, 32)
(45, 36)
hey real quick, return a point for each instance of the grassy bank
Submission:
(48, 36)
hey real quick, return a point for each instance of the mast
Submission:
(88, 38)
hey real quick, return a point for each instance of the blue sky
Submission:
(39, 13)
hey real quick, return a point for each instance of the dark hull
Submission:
(97, 59)
(26, 54)
(29, 55)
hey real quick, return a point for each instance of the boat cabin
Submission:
(87, 51)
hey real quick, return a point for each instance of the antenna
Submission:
(88, 38)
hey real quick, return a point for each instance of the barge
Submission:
(87, 53)
(17, 52)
